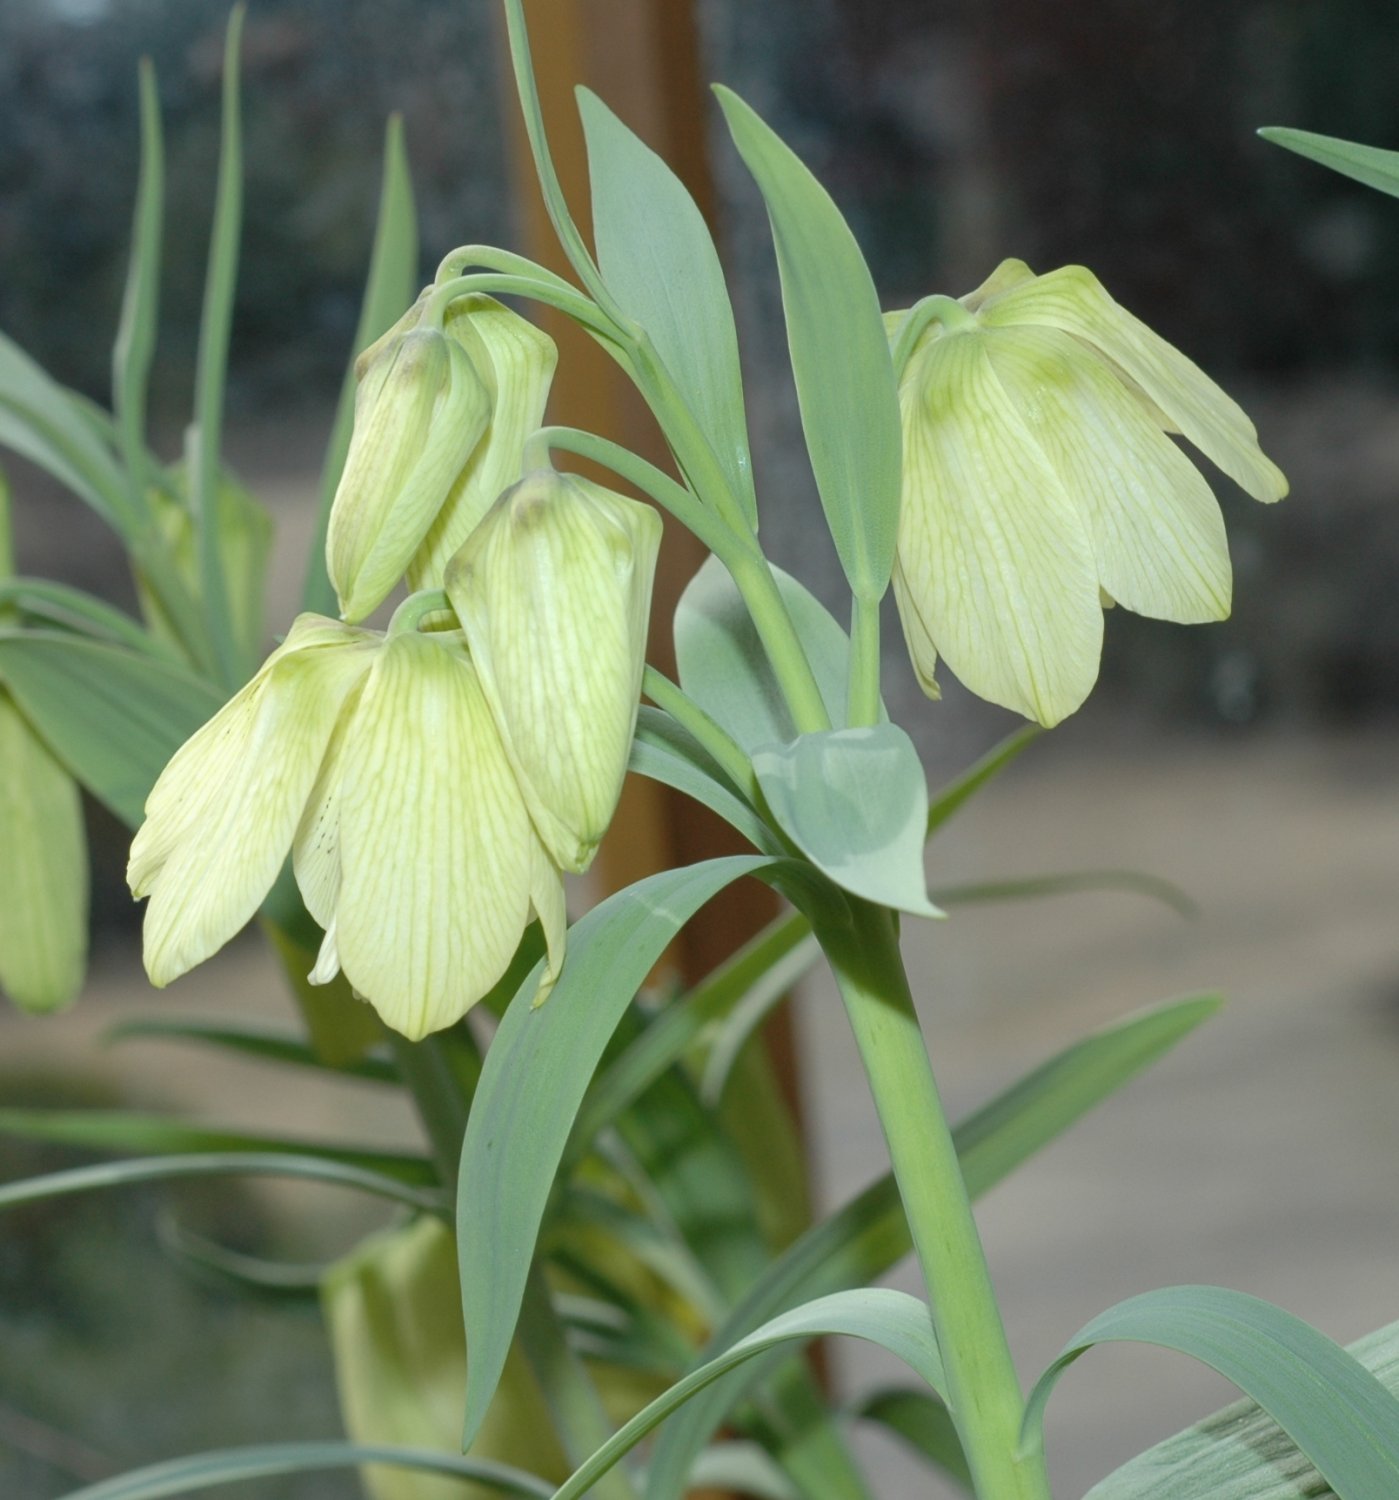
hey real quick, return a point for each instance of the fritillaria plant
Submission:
(1006, 460)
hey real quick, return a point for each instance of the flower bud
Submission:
(553, 591)
(43, 870)
(419, 411)
(515, 361)
(1039, 480)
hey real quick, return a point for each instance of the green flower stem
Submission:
(935, 309)
(646, 477)
(727, 753)
(986, 1400)
(416, 608)
(552, 292)
(781, 642)
(492, 258)
(862, 710)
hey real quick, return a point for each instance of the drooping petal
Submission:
(1072, 299)
(1158, 535)
(547, 898)
(315, 850)
(553, 591)
(434, 840)
(516, 362)
(996, 561)
(420, 410)
(43, 870)
(1008, 275)
(220, 819)
(922, 651)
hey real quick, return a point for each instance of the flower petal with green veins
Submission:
(553, 592)
(43, 870)
(435, 841)
(315, 850)
(1072, 299)
(220, 819)
(516, 362)
(1158, 535)
(996, 559)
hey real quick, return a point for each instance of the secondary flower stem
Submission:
(862, 707)
(986, 1400)
(781, 642)
(728, 754)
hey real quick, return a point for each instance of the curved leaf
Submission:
(206, 1471)
(659, 262)
(1071, 883)
(1329, 1404)
(515, 1137)
(840, 355)
(961, 789)
(253, 1039)
(1239, 1453)
(899, 1323)
(218, 1164)
(855, 802)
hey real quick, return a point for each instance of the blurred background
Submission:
(1253, 761)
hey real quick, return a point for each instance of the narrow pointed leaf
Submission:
(963, 788)
(855, 802)
(1336, 1411)
(1367, 164)
(1239, 1453)
(206, 1471)
(1071, 883)
(515, 1137)
(840, 355)
(136, 332)
(215, 328)
(899, 1323)
(658, 260)
(113, 716)
(393, 272)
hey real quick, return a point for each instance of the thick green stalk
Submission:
(986, 1399)
(862, 704)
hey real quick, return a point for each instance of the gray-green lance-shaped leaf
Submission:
(855, 802)
(840, 355)
(537, 1070)
(1339, 1414)
(1367, 164)
(723, 667)
(862, 1240)
(899, 1323)
(1239, 1453)
(113, 716)
(658, 260)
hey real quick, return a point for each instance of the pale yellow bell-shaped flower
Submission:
(1039, 478)
(515, 361)
(221, 816)
(419, 411)
(553, 591)
(43, 870)
(415, 851)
